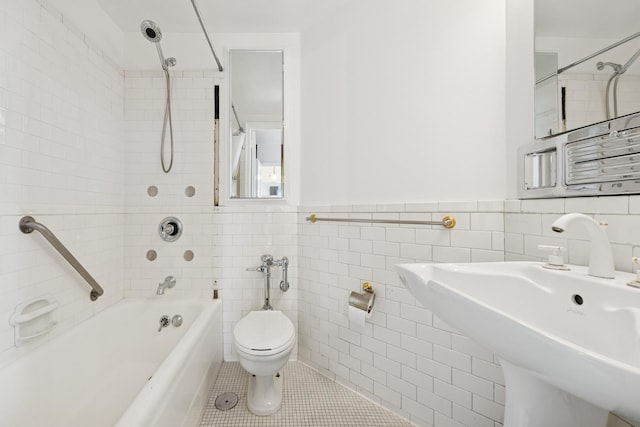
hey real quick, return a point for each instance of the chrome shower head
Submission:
(151, 31)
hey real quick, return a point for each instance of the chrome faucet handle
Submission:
(164, 322)
(260, 269)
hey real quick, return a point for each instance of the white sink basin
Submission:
(569, 343)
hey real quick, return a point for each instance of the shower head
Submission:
(616, 67)
(151, 31)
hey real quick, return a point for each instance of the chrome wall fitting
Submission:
(164, 322)
(170, 229)
(265, 269)
(177, 320)
(284, 283)
(169, 282)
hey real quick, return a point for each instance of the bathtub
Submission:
(116, 369)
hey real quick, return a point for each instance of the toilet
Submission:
(263, 341)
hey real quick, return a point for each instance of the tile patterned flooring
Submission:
(310, 399)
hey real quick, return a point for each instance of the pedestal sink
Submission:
(569, 343)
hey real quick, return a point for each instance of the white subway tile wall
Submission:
(192, 106)
(61, 149)
(226, 240)
(405, 358)
(586, 100)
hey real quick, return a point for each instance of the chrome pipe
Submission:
(206, 35)
(28, 224)
(446, 222)
(284, 283)
(601, 51)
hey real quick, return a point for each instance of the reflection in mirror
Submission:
(586, 63)
(256, 123)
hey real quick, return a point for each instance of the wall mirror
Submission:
(256, 124)
(587, 68)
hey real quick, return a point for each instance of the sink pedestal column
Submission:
(531, 402)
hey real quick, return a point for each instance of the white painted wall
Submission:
(519, 85)
(404, 102)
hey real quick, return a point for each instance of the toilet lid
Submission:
(264, 331)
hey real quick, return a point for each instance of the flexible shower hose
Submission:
(167, 118)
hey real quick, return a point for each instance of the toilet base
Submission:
(264, 396)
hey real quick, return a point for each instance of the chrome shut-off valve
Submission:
(265, 269)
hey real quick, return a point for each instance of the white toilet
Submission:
(263, 341)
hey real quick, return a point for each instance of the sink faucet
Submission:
(169, 282)
(600, 257)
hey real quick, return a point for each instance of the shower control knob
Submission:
(176, 320)
(170, 229)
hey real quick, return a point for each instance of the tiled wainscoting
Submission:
(591, 87)
(405, 358)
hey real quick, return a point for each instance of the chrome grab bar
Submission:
(446, 222)
(28, 224)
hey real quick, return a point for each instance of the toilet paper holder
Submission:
(363, 301)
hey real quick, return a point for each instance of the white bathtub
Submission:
(116, 369)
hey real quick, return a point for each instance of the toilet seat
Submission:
(263, 333)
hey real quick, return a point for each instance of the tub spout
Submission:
(169, 282)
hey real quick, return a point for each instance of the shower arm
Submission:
(206, 35)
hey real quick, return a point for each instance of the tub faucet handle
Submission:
(164, 322)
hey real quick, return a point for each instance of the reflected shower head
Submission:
(151, 31)
(616, 67)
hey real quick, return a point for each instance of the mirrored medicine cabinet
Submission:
(586, 63)
(587, 101)
(256, 124)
